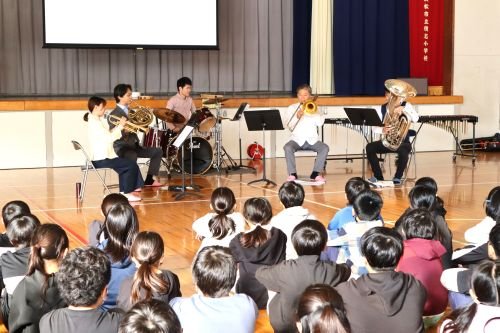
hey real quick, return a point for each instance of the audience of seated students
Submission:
(82, 279)
(220, 226)
(478, 234)
(345, 247)
(457, 280)
(291, 196)
(422, 259)
(482, 315)
(37, 293)
(120, 228)
(321, 310)
(383, 300)
(149, 281)
(262, 245)
(14, 265)
(9, 211)
(95, 226)
(289, 278)
(151, 316)
(352, 188)
(213, 309)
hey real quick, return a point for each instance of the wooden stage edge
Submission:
(81, 104)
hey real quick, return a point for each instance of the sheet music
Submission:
(183, 136)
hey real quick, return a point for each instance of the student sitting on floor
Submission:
(14, 265)
(220, 226)
(289, 278)
(478, 234)
(37, 293)
(366, 207)
(9, 211)
(383, 300)
(422, 259)
(213, 309)
(262, 245)
(431, 183)
(291, 196)
(352, 188)
(149, 281)
(82, 279)
(95, 227)
(151, 316)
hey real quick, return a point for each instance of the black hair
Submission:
(494, 238)
(48, 243)
(291, 194)
(223, 202)
(12, 209)
(304, 86)
(485, 283)
(120, 90)
(422, 197)
(108, 202)
(92, 103)
(321, 310)
(353, 187)
(382, 247)
(367, 205)
(120, 228)
(492, 203)
(256, 211)
(214, 271)
(309, 237)
(83, 275)
(418, 223)
(183, 81)
(151, 316)
(21, 229)
(430, 183)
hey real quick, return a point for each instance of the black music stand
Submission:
(263, 120)
(237, 117)
(363, 117)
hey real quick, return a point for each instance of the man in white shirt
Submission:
(304, 136)
(376, 147)
(182, 103)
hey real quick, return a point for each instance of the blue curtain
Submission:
(301, 67)
(371, 43)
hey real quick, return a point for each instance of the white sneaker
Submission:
(131, 197)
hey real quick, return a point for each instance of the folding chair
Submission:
(411, 158)
(85, 169)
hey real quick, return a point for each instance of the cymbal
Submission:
(212, 106)
(205, 96)
(169, 116)
(213, 100)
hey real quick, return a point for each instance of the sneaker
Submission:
(372, 180)
(131, 197)
(291, 178)
(396, 181)
(320, 179)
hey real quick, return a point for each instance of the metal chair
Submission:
(85, 169)
(411, 158)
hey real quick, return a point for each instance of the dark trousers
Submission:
(129, 175)
(154, 154)
(374, 148)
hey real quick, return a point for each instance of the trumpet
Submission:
(310, 108)
(129, 126)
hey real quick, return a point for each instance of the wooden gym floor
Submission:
(51, 195)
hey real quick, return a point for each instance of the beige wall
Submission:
(477, 61)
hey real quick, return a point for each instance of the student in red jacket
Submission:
(422, 258)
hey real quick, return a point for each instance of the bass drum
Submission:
(203, 156)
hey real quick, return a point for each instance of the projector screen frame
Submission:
(130, 46)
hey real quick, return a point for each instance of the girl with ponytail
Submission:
(149, 281)
(261, 245)
(37, 293)
(321, 310)
(483, 315)
(221, 225)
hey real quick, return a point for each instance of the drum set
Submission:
(207, 149)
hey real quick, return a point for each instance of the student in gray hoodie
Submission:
(383, 300)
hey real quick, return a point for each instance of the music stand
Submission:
(263, 120)
(237, 117)
(363, 117)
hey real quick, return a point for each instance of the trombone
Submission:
(310, 108)
(129, 126)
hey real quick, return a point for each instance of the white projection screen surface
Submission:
(174, 24)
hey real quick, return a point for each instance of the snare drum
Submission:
(205, 119)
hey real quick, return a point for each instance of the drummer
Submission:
(181, 103)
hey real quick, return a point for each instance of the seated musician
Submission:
(102, 153)
(376, 147)
(181, 103)
(127, 145)
(304, 136)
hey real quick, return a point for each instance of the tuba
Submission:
(398, 124)
(310, 108)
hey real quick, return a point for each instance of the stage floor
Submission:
(51, 195)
